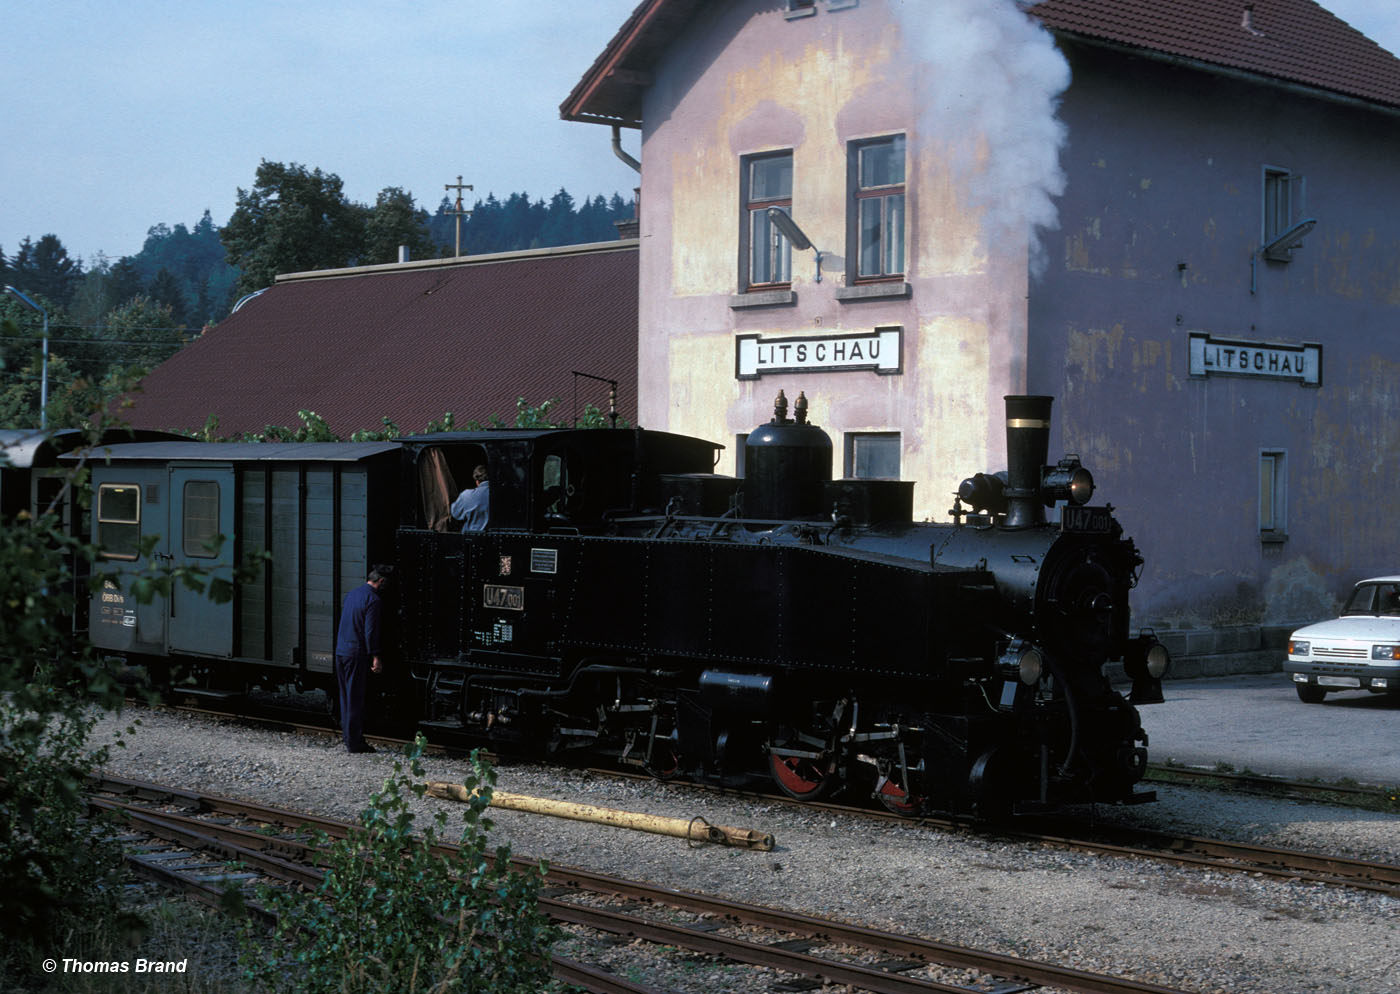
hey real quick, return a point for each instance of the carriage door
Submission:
(201, 509)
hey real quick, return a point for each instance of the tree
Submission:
(124, 281)
(293, 219)
(147, 332)
(164, 291)
(561, 223)
(396, 221)
(44, 268)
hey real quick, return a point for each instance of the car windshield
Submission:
(1374, 599)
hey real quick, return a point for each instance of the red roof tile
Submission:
(410, 343)
(1294, 40)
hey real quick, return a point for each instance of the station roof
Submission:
(410, 342)
(1295, 41)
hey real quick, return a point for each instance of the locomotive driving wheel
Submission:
(802, 766)
(897, 800)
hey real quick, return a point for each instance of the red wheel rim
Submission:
(895, 800)
(797, 776)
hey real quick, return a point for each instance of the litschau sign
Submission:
(1233, 357)
(880, 351)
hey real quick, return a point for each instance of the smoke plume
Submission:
(990, 80)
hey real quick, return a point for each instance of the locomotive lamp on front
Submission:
(1358, 651)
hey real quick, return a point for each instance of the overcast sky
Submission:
(121, 115)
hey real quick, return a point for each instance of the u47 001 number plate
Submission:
(1086, 520)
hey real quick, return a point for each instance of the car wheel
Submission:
(1310, 693)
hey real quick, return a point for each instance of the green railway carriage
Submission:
(325, 512)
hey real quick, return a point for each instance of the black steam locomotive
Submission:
(624, 600)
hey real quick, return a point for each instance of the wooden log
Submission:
(695, 829)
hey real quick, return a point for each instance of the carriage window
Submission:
(119, 520)
(201, 519)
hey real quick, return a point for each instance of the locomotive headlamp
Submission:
(1385, 652)
(1157, 660)
(1296, 648)
(1068, 480)
(1030, 666)
(1145, 662)
(1022, 661)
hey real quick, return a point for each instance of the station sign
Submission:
(1260, 360)
(880, 351)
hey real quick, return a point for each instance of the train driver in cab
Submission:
(473, 504)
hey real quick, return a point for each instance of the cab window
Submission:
(119, 520)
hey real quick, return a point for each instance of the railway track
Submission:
(202, 856)
(1132, 842)
(1359, 795)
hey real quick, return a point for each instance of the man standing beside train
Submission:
(357, 655)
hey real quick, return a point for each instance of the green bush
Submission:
(396, 915)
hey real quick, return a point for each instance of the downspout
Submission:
(617, 149)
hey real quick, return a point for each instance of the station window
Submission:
(1273, 495)
(119, 520)
(765, 254)
(1283, 207)
(201, 519)
(876, 211)
(872, 455)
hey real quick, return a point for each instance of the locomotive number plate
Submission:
(1086, 520)
(503, 598)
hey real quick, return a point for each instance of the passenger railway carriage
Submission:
(624, 600)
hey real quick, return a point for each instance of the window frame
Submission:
(101, 518)
(850, 443)
(1282, 204)
(1273, 494)
(780, 249)
(201, 544)
(858, 194)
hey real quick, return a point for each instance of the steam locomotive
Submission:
(625, 601)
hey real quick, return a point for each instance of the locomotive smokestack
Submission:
(1027, 447)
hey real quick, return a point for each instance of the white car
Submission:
(1359, 650)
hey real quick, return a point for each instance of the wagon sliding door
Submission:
(201, 509)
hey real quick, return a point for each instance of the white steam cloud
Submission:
(990, 80)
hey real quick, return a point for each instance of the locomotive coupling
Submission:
(1146, 662)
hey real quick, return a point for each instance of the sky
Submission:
(121, 115)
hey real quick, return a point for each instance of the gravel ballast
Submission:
(1199, 930)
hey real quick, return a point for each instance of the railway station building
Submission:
(1177, 217)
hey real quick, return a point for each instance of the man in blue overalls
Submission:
(357, 655)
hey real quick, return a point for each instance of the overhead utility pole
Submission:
(459, 210)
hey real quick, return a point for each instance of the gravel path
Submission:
(1197, 930)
